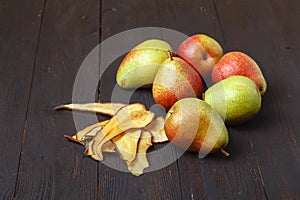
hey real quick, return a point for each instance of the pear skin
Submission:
(140, 65)
(175, 80)
(194, 125)
(202, 52)
(236, 99)
(239, 64)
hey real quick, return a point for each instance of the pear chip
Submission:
(103, 108)
(156, 128)
(141, 162)
(131, 131)
(127, 144)
(128, 117)
(90, 130)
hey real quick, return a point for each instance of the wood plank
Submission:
(19, 31)
(51, 167)
(214, 177)
(120, 16)
(268, 33)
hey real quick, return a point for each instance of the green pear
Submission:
(237, 99)
(194, 125)
(140, 65)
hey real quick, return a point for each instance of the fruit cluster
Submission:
(196, 116)
(177, 84)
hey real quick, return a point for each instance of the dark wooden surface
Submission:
(42, 45)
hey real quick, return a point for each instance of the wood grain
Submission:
(19, 32)
(51, 167)
(269, 35)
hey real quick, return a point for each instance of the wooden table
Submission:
(42, 45)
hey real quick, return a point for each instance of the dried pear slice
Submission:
(127, 143)
(84, 134)
(160, 136)
(141, 162)
(103, 108)
(128, 117)
(109, 147)
(88, 131)
(156, 127)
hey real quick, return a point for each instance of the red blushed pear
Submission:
(202, 52)
(175, 80)
(238, 63)
(194, 125)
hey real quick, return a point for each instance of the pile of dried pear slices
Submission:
(131, 130)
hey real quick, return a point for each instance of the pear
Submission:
(194, 125)
(175, 80)
(140, 65)
(237, 99)
(239, 64)
(202, 52)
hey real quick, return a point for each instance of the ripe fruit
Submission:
(140, 65)
(238, 63)
(236, 98)
(192, 124)
(175, 80)
(201, 51)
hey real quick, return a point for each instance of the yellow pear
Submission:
(141, 64)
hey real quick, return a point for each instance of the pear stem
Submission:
(59, 107)
(73, 139)
(225, 153)
(203, 95)
(170, 55)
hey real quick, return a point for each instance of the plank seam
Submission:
(29, 97)
(177, 162)
(259, 170)
(99, 89)
(220, 24)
